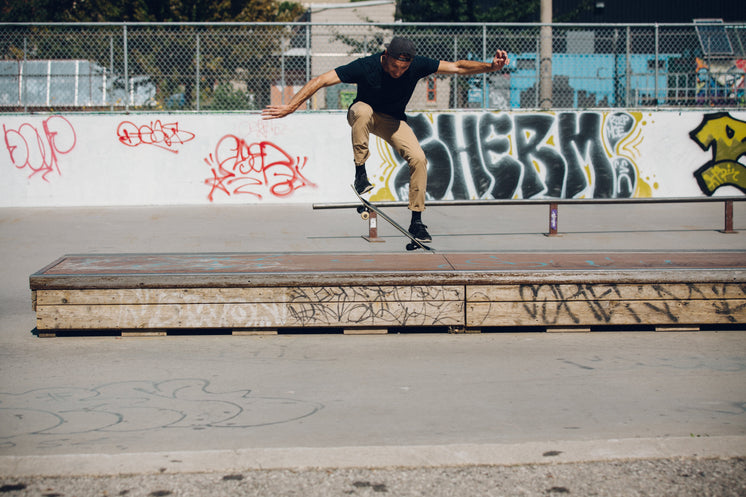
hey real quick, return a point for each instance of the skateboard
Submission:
(364, 210)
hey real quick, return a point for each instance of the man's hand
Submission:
(276, 111)
(500, 60)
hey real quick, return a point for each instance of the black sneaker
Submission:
(419, 232)
(362, 185)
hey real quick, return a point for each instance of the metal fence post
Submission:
(308, 53)
(484, 58)
(197, 76)
(627, 68)
(126, 71)
(111, 69)
(657, 51)
(283, 44)
(454, 79)
(22, 82)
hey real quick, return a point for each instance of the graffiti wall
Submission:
(151, 159)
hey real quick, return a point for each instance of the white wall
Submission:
(145, 159)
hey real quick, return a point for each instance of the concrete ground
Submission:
(617, 413)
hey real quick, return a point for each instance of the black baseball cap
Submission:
(401, 49)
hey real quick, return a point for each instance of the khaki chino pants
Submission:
(364, 121)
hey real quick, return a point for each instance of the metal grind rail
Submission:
(553, 207)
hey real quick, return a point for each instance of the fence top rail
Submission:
(545, 201)
(396, 24)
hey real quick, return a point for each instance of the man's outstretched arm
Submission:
(467, 67)
(309, 89)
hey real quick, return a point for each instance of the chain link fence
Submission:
(244, 67)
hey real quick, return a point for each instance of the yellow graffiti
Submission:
(387, 170)
(631, 143)
(727, 138)
(724, 173)
(628, 147)
(644, 190)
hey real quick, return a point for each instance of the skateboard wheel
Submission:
(365, 215)
(412, 246)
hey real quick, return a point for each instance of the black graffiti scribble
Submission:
(553, 304)
(502, 156)
(375, 306)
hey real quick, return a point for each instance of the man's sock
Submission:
(360, 171)
(416, 217)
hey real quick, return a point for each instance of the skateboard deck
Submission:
(413, 244)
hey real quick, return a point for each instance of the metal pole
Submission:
(656, 64)
(49, 83)
(197, 69)
(553, 218)
(126, 72)
(308, 53)
(484, 58)
(111, 67)
(728, 228)
(627, 70)
(454, 80)
(372, 227)
(77, 81)
(282, 69)
(22, 90)
(615, 81)
(545, 66)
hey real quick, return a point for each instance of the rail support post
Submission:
(728, 228)
(553, 218)
(373, 228)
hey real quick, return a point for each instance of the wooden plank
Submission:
(676, 328)
(597, 292)
(578, 313)
(256, 315)
(250, 295)
(144, 333)
(248, 333)
(366, 331)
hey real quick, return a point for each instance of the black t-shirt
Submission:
(383, 93)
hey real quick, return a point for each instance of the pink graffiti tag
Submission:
(165, 136)
(244, 168)
(28, 147)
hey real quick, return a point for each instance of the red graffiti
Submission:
(30, 148)
(241, 168)
(165, 136)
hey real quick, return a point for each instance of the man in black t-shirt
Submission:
(385, 83)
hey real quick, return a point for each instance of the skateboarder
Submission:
(385, 83)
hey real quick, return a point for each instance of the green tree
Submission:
(468, 10)
(149, 10)
(484, 11)
(166, 54)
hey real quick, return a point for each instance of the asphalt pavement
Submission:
(613, 413)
